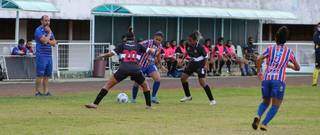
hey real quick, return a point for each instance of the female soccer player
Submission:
(198, 63)
(279, 57)
(130, 53)
(148, 66)
(316, 41)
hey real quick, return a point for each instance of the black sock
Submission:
(208, 92)
(147, 97)
(185, 86)
(103, 92)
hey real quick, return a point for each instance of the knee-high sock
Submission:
(185, 86)
(103, 92)
(261, 109)
(221, 65)
(315, 76)
(147, 98)
(135, 90)
(208, 92)
(246, 67)
(271, 113)
(243, 71)
(155, 88)
(229, 65)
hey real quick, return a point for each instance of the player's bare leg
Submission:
(38, 82)
(262, 108)
(205, 86)
(103, 92)
(271, 113)
(146, 92)
(156, 84)
(185, 85)
(45, 83)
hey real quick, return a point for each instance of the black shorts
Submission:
(317, 55)
(195, 67)
(136, 76)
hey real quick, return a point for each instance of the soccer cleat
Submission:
(148, 107)
(47, 94)
(133, 101)
(263, 127)
(155, 100)
(184, 99)
(37, 94)
(91, 106)
(255, 123)
(213, 102)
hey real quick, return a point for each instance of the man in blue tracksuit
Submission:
(44, 41)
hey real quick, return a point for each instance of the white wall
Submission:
(307, 11)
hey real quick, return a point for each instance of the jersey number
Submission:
(130, 56)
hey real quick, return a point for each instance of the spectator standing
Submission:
(45, 39)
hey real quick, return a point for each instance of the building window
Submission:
(296, 32)
(81, 30)
(7, 29)
(60, 28)
(31, 27)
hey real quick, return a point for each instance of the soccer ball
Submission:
(122, 98)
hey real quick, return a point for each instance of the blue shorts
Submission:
(149, 69)
(44, 66)
(273, 89)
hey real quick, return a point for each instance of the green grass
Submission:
(65, 114)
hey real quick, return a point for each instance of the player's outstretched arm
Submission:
(105, 55)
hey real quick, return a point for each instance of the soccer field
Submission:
(65, 114)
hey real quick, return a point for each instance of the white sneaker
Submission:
(213, 102)
(184, 99)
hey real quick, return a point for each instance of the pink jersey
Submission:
(207, 49)
(218, 51)
(278, 57)
(169, 52)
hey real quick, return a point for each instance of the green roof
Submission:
(190, 11)
(29, 5)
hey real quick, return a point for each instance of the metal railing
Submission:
(77, 56)
(304, 53)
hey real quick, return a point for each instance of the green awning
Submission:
(29, 5)
(188, 11)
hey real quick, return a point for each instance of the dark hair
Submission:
(159, 33)
(318, 23)
(182, 41)
(220, 39)
(21, 41)
(196, 35)
(130, 35)
(282, 35)
(208, 39)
